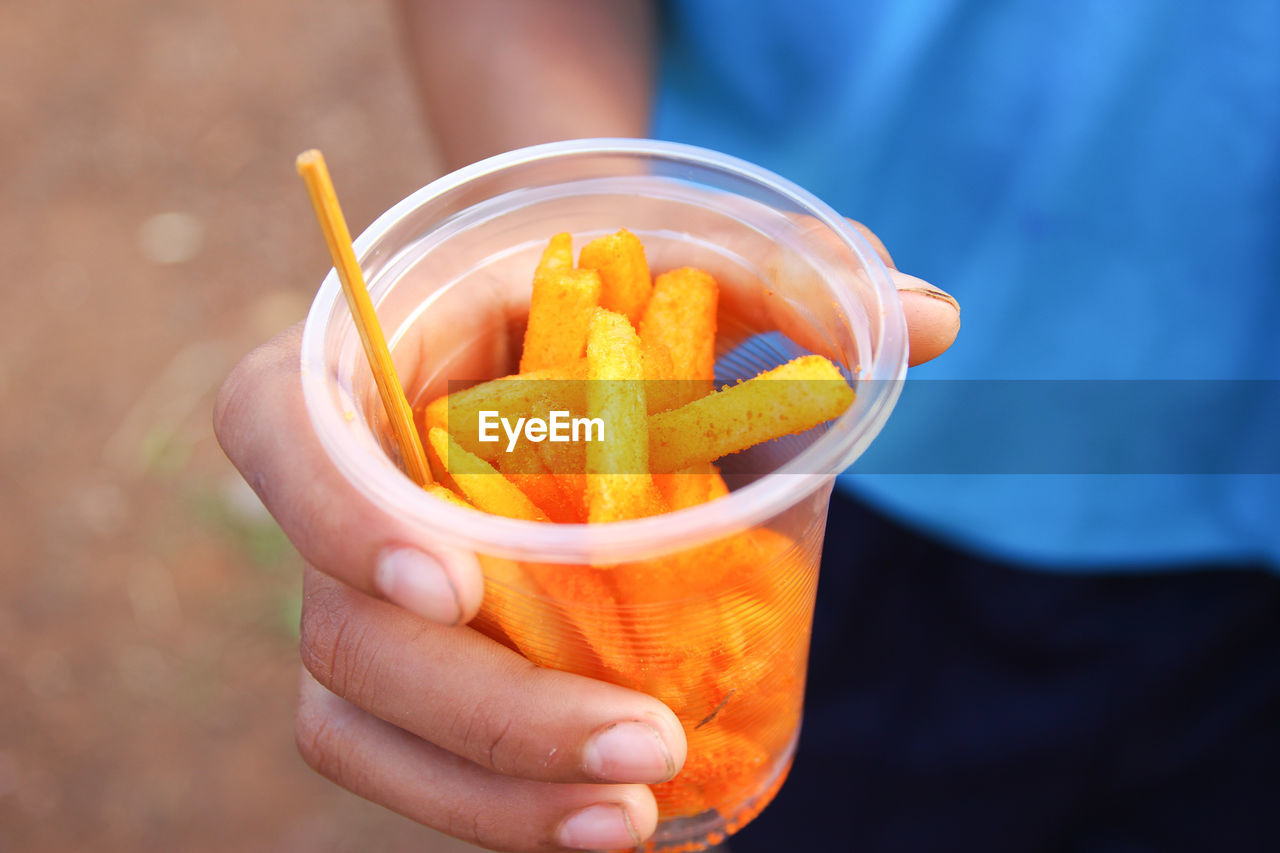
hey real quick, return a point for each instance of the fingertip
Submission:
(468, 581)
(618, 824)
(932, 315)
(641, 808)
(672, 733)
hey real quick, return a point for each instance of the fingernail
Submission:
(628, 752)
(926, 289)
(418, 583)
(603, 827)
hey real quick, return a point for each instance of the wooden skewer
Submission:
(320, 187)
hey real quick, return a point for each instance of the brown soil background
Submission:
(152, 230)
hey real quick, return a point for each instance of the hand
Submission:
(405, 705)
(402, 703)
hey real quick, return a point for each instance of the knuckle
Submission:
(337, 644)
(470, 826)
(235, 403)
(316, 736)
(485, 733)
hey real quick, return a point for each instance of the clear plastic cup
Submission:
(708, 608)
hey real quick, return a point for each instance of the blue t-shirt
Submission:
(1098, 183)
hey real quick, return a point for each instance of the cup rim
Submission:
(389, 489)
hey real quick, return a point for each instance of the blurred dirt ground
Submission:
(152, 230)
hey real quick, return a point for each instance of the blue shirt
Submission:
(1097, 182)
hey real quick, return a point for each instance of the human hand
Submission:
(403, 704)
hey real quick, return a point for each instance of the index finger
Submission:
(932, 315)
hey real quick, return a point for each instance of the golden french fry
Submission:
(520, 611)
(618, 482)
(600, 625)
(481, 484)
(563, 302)
(557, 257)
(692, 486)
(680, 319)
(518, 395)
(662, 391)
(524, 467)
(789, 399)
(624, 272)
(445, 494)
(567, 462)
(535, 394)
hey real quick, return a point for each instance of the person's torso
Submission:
(1098, 183)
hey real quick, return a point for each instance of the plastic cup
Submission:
(708, 608)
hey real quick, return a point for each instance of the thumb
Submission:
(261, 422)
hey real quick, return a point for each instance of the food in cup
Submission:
(587, 365)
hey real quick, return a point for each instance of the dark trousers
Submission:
(956, 703)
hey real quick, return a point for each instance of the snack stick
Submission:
(481, 484)
(568, 464)
(514, 396)
(716, 486)
(524, 631)
(624, 272)
(588, 641)
(661, 390)
(445, 494)
(694, 485)
(523, 466)
(438, 472)
(618, 482)
(600, 624)
(557, 258)
(532, 625)
(681, 319)
(559, 311)
(792, 398)
(789, 399)
(657, 363)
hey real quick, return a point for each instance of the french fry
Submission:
(661, 390)
(694, 485)
(624, 272)
(619, 485)
(445, 494)
(514, 396)
(797, 396)
(557, 258)
(544, 631)
(681, 320)
(481, 484)
(524, 467)
(567, 463)
(600, 624)
(438, 473)
(563, 302)
(507, 615)
(535, 394)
